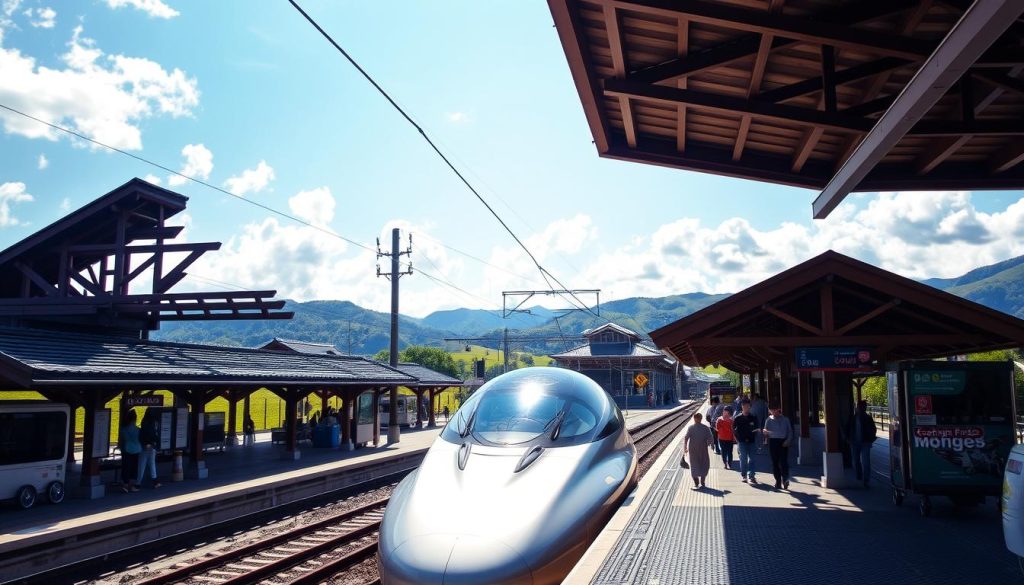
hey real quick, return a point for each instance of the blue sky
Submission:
(247, 96)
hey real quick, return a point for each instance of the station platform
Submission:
(249, 472)
(737, 533)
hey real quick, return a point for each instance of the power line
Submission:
(543, 272)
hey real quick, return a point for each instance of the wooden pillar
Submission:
(232, 438)
(784, 396)
(376, 416)
(830, 391)
(91, 483)
(346, 421)
(197, 466)
(804, 389)
(431, 420)
(291, 402)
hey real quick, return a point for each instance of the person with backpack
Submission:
(130, 449)
(861, 432)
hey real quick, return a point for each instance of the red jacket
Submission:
(724, 428)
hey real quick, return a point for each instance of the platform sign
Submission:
(149, 400)
(101, 433)
(833, 359)
(181, 428)
(641, 380)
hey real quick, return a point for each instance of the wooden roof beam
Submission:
(1007, 158)
(798, 28)
(848, 75)
(756, 77)
(611, 24)
(824, 341)
(746, 45)
(980, 26)
(732, 105)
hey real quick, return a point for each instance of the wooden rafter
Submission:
(611, 19)
(746, 45)
(756, 77)
(790, 27)
(682, 49)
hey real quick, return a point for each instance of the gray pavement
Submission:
(736, 533)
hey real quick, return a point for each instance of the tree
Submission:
(434, 358)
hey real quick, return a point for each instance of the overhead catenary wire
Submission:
(545, 274)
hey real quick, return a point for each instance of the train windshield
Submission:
(535, 405)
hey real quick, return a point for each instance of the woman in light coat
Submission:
(700, 460)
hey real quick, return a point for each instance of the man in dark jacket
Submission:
(860, 434)
(745, 428)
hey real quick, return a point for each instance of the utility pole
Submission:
(394, 435)
(506, 349)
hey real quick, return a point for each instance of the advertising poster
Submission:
(952, 444)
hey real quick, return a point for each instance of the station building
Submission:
(633, 372)
(79, 298)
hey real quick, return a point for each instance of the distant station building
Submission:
(633, 372)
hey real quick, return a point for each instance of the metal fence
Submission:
(881, 416)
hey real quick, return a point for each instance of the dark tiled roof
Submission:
(612, 327)
(638, 350)
(426, 376)
(302, 347)
(35, 356)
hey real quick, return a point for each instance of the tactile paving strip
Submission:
(733, 533)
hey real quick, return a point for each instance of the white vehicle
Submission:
(33, 450)
(1013, 501)
(406, 410)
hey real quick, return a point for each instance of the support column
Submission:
(346, 423)
(834, 476)
(804, 455)
(91, 484)
(197, 465)
(376, 417)
(431, 419)
(784, 396)
(232, 438)
(291, 451)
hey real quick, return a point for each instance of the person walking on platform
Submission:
(149, 436)
(130, 448)
(745, 427)
(726, 439)
(860, 434)
(714, 411)
(699, 436)
(778, 433)
(446, 412)
(248, 431)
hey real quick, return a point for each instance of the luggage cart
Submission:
(952, 430)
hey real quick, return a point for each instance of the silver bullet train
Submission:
(516, 487)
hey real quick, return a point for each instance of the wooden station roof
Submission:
(31, 358)
(789, 91)
(833, 300)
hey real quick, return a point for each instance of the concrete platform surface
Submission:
(737, 533)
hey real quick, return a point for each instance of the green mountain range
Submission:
(354, 329)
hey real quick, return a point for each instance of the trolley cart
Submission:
(952, 430)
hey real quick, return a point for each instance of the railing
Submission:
(881, 416)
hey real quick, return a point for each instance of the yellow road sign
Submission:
(641, 380)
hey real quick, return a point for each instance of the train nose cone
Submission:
(446, 559)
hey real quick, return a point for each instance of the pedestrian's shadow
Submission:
(713, 492)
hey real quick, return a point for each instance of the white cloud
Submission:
(7, 9)
(65, 205)
(101, 96)
(11, 193)
(44, 17)
(43, 162)
(251, 180)
(154, 8)
(152, 179)
(458, 117)
(198, 164)
(315, 206)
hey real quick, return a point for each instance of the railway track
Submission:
(308, 554)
